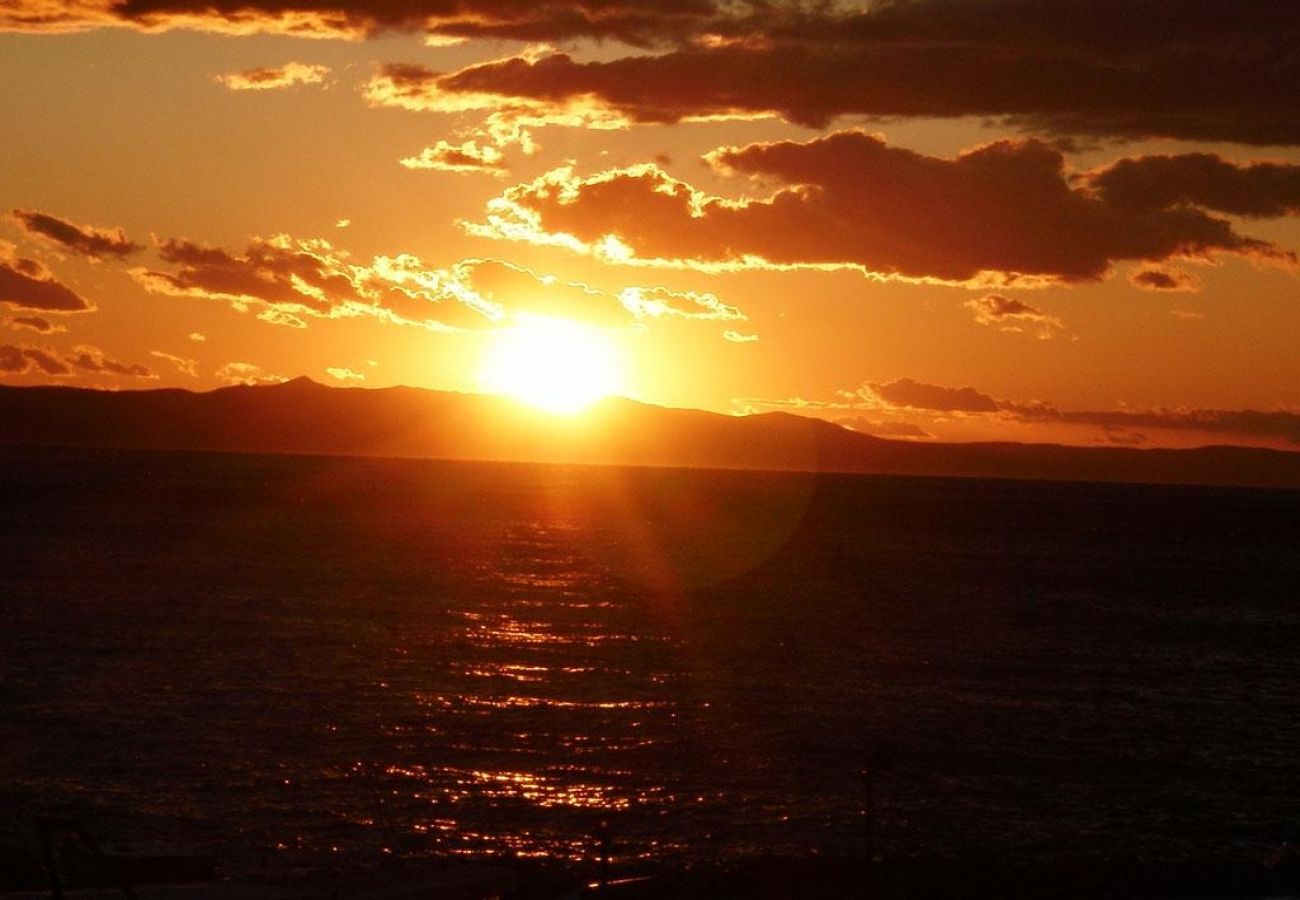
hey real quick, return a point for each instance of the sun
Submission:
(557, 365)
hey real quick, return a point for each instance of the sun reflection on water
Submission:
(533, 710)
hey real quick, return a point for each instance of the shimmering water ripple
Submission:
(288, 661)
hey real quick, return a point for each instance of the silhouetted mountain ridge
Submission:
(304, 417)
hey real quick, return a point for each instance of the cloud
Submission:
(631, 21)
(291, 281)
(1123, 437)
(1070, 67)
(467, 156)
(198, 337)
(1002, 213)
(20, 360)
(879, 428)
(506, 122)
(89, 241)
(27, 284)
(905, 393)
(1279, 425)
(183, 365)
(661, 303)
(1163, 278)
(300, 276)
(247, 373)
(34, 323)
(736, 337)
(1149, 183)
(482, 293)
(276, 316)
(1194, 69)
(1008, 314)
(92, 359)
(268, 78)
(343, 374)
(939, 403)
(1117, 425)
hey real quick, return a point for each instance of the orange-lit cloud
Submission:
(247, 373)
(1163, 278)
(92, 359)
(290, 281)
(269, 78)
(87, 240)
(467, 156)
(38, 324)
(301, 275)
(909, 394)
(1009, 314)
(658, 303)
(340, 373)
(20, 360)
(183, 364)
(1002, 213)
(505, 122)
(490, 292)
(27, 284)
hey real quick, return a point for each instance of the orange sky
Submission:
(942, 219)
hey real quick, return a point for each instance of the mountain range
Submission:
(304, 417)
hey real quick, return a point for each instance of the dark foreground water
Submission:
(292, 661)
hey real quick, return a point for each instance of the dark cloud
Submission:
(21, 360)
(301, 275)
(1162, 278)
(27, 284)
(88, 240)
(92, 359)
(910, 394)
(1196, 69)
(632, 21)
(1009, 314)
(1149, 183)
(35, 323)
(999, 213)
(1280, 425)
(1123, 437)
(270, 78)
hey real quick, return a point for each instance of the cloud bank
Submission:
(1004, 213)
(86, 240)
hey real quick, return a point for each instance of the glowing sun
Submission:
(553, 364)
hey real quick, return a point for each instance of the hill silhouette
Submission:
(304, 417)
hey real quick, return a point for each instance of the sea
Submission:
(293, 663)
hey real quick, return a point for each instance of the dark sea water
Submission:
(287, 661)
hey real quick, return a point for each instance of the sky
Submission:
(1032, 220)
